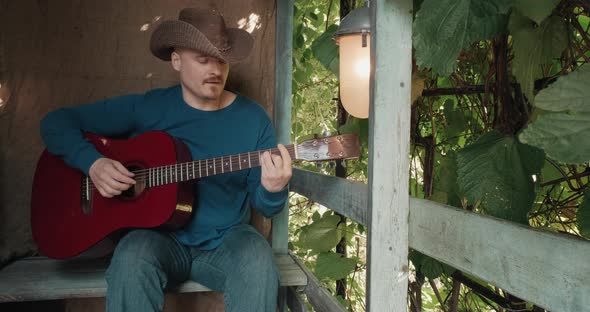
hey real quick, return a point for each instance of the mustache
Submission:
(215, 79)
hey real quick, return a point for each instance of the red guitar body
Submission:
(65, 223)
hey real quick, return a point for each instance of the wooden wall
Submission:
(69, 52)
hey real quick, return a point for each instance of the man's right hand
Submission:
(110, 177)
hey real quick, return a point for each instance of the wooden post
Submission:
(389, 144)
(282, 109)
(282, 118)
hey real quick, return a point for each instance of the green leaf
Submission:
(533, 158)
(564, 137)
(442, 28)
(313, 16)
(433, 268)
(563, 132)
(298, 39)
(333, 266)
(322, 235)
(584, 21)
(537, 10)
(455, 120)
(428, 266)
(416, 257)
(445, 180)
(316, 216)
(358, 126)
(534, 47)
(492, 170)
(584, 217)
(325, 50)
(549, 172)
(300, 76)
(569, 93)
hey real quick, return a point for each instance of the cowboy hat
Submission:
(203, 30)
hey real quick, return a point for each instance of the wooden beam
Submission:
(551, 270)
(319, 297)
(346, 197)
(282, 107)
(389, 147)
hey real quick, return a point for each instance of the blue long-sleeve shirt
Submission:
(223, 200)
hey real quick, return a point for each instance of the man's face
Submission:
(204, 76)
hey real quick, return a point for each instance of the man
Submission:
(216, 248)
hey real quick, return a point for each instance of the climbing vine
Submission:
(500, 121)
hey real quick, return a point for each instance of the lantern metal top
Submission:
(357, 21)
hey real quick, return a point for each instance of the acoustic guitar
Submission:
(69, 216)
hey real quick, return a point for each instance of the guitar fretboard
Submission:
(196, 169)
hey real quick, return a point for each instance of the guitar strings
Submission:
(167, 174)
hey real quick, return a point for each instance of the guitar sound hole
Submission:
(136, 189)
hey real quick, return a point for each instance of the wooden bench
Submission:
(40, 278)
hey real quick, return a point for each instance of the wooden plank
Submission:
(282, 110)
(389, 147)
(319, 297)
(39, 278)
(346, 197)
(552, 270)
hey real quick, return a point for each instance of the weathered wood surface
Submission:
(343, 196)
(282, 106)
(552, 270)
(202, 301)
(319, 297)
(546, 268)
(389, 147)
(37, 278)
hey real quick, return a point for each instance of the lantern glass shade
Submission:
(355, 70)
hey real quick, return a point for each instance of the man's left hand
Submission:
(276, 170)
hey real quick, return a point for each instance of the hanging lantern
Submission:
(354, 40)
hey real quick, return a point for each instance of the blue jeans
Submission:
(146, 262)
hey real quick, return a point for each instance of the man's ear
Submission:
(175, 60)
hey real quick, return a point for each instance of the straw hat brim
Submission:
(178, 34)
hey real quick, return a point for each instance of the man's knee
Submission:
(134, 258)
(256, 255)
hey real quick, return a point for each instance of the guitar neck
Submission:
(196, 169)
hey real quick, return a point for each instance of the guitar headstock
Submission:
(343, 146)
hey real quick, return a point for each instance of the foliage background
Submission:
(500, 126)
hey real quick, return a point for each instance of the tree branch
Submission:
(484, 291)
